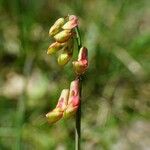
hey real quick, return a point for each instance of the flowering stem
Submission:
(78, 114)
(79, 43)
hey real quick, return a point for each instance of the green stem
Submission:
(78, 114)
(79, 43)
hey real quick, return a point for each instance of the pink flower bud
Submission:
(73, 101)
(54, 47)
(57, 113)
(72, 23)
(63, 36)
(81, 65)
(56, 27)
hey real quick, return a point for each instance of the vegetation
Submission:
(115, 100)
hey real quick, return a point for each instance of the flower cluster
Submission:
(63, 33)
(67, 104)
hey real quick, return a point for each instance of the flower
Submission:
(67, 105)
(54, 47)
(74, 99)
(81, 65)
(63, 36)
(57, 113)
(64, 57)
(57, 26)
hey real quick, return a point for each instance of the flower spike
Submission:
(64, 32)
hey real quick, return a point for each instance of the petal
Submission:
(74, 99)
(72, 23)
(63, 100)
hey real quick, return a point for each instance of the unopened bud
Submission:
(83, 54)
(64, 58)
(54, 47)
(72, 23)
(57, 113)
(63, 36)
(81, 65)
(74, 99)
(56, 27)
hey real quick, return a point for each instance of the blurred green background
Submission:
(116, 87)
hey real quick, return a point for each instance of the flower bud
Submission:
(73, 101)
(63, 36)
(54, 47)
(67, 53)
(81, 65)
(56, 27)
(57, 113)
(64, 58)
(72, 23)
